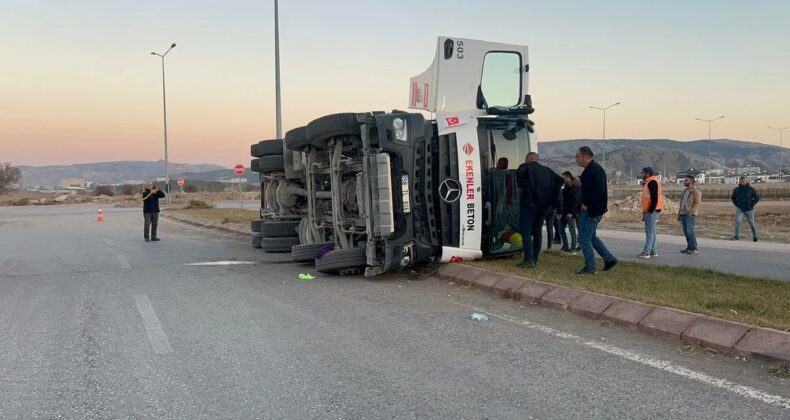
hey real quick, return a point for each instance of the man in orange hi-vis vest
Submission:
(651, 210)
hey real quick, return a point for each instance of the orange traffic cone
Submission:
(100, 217)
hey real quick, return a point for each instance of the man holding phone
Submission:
(151, 196)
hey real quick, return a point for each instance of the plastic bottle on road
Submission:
(475, 316)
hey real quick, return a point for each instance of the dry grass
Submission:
(241, 216)
(750, 300)
(716, 220)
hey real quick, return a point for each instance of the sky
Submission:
(78, 83)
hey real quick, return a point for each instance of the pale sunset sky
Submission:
(79, 84)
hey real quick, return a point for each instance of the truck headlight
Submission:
(401, 129)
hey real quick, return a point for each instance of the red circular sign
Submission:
(180, 182)
(239, 170)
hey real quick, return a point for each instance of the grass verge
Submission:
(240, 216)
(751, 300)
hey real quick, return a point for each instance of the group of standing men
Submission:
(541, 193)
(582, 207)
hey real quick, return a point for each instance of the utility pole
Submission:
(709, 140)
(278, 109)
(164, 108)
(603, 136)
(781, 151)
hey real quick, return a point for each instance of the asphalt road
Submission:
(758, 259)
(96, 323)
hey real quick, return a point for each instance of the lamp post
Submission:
(603, 137)
(781, 151)
(709, 140)
(164, 108)
(278, 110)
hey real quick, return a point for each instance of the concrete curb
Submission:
(721, 335)
(224, 227)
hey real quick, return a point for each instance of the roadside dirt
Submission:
(716, 220)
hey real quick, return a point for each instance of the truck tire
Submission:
(342, 261)
(279, 229)
(336, 125)
(306, 253)
(278, 244)
(270, 147)
(254, 150)
(273, 163)
(255, 165)
(297, 140)
(255, 225)
(256, 241)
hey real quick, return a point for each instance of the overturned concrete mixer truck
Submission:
(375, 192)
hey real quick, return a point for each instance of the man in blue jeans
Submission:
(540, 192)
(687, 214)
(744, 197)
(594, 201)
(652, 198)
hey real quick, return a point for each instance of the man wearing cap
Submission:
(651, 210)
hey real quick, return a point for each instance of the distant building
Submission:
(77, 183)
(699, 176)
(748, 170)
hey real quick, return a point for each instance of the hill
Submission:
(670, 156)
(109, 172)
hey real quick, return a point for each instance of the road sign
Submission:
(180, 182)
(239, 170)
(618, 173)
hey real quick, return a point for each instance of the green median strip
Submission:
(751, 300)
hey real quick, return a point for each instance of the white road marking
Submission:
(666, 366)
(109, 242)
(124, 262)
(156, 335)
(222, 263)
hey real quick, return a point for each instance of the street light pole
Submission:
(278, 111)
(709, 140)
(781, 151)
(603, 136)
(164, 110)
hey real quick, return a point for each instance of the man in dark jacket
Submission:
(744, 197)
(569, 213)
(540, 191)
(594, 202)
(151, 196)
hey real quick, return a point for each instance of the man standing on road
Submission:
(687, 214)
(151, 196)
(540, 191)
(745, 198)
(594, 200)
(651, 210)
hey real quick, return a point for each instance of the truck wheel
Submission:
(254, 150)
(336, 125)
(270, 147)
(256, 241)
(279, 229)
(297, 140)
(342, 261)
(306, 253)
(255, 225)
(273, 163)
(255, 165)
(278, 244)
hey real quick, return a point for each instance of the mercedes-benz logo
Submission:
(450, 190)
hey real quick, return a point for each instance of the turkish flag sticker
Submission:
(453, 121)
(456, 259)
